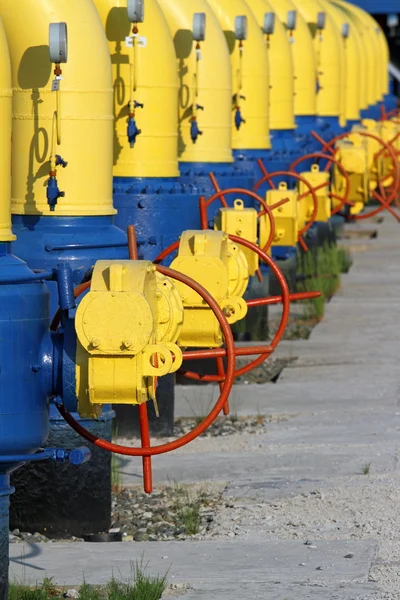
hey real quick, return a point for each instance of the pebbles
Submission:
(18, 537)
(174, 513)
(224, 426)
(269, 371)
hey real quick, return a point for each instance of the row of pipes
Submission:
(145, 117)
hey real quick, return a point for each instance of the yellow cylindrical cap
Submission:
(204, 76)
(250, 75)
(280, 69)
(86, 108)
(154, 153)
(305, 103)
(6, 234)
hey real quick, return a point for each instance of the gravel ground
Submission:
(363, 507)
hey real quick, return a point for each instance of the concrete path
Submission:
(298, 517)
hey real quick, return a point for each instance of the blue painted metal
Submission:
(381, 7)
(160, 208)
(77, 456)
(195, 130)
(228, 175)
(44, 242)
(372, 112)
(53, 192)
(239, 119)
(26, 380)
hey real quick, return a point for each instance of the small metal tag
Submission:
(55, 85)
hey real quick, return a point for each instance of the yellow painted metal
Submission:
(150, 62)
(86, 111)
(280, 69)
(371, 51)
(374, 156)
(356, 34)
(378, 42)
(206, 82)
(304, 65)
(242, 222)
(286, 217)
(220, 267)
(330, 64)
(250, 75)
(320, 181)
(121, 347)
(352, 152)
(352, 62)
(6, 234)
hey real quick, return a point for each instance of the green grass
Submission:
(116, 479)
(366, 469)
(321, 271)
(187, 505)
(141, 586)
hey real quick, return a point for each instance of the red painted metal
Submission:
(204, 203)
(382, 197)
(147, 450)
(263, 351)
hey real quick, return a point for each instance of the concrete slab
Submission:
(210, 563)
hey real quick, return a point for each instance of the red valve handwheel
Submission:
(331, 160)
(204, 203)
(268, 178)
(384, 200)
(263, 351)
(147, 451)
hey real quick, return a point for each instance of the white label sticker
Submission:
(128, 41)
(142, 41)
(55, 85)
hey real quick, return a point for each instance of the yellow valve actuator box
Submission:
(221, 268)
(388, 131)
(375, 163)
(352, 152)
(127, 326)
(242, 222)
(319, 180)
(286, 217)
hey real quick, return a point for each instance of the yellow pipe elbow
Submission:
(370, 45)
(304, 65)
(250, 75)
(87, 120)
(207, 83)
(352, 62)
(329, 55)
(280, 69)
(151, 65)
(6, 234)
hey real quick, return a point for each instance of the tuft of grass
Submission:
(46, 591)
(141, 586)
(116, 479)
(187, 506)
(366, 468)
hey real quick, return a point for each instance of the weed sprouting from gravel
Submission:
(366, 469)
(187, 507)
(141, 586)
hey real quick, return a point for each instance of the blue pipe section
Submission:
(44, 242)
